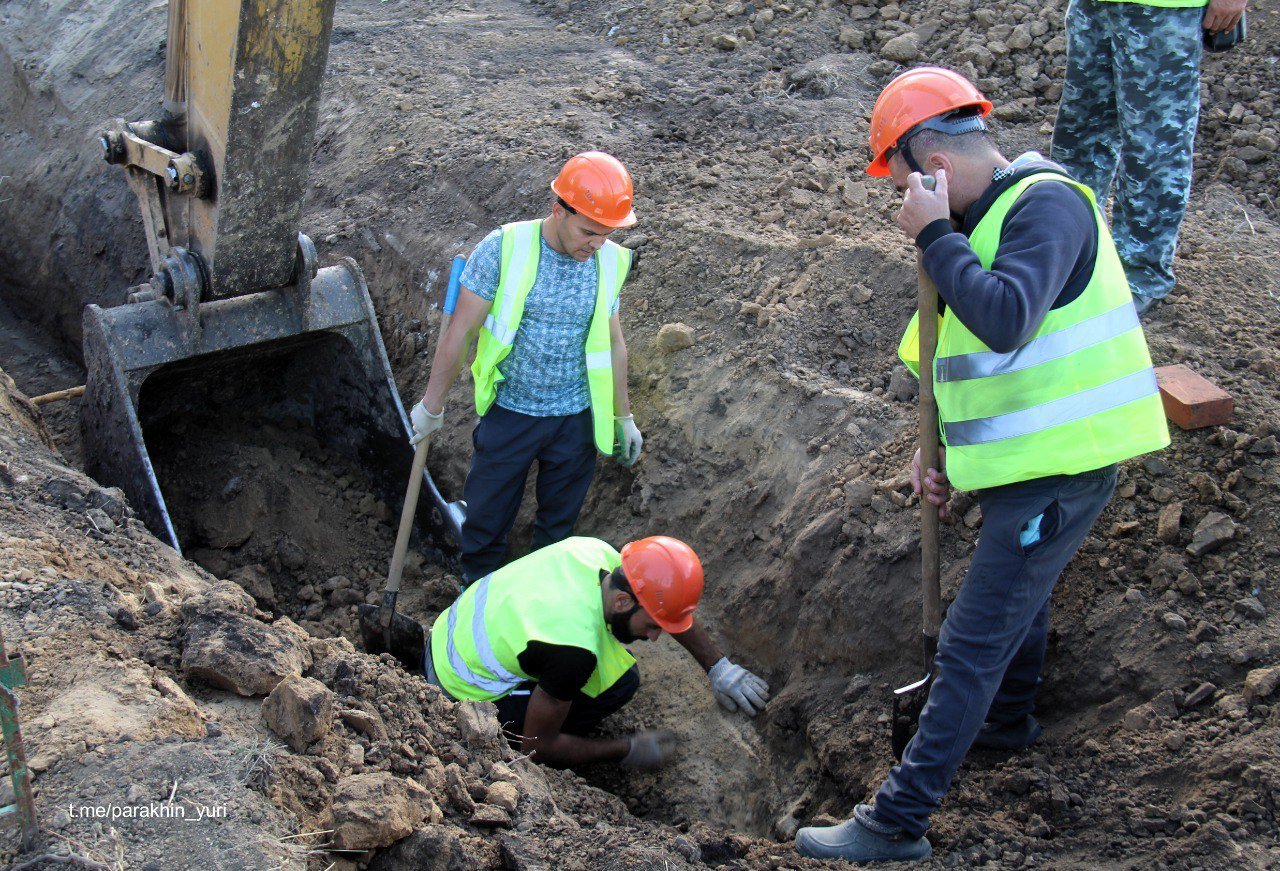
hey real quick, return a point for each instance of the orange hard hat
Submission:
(597, 186)
(913, 98)
(666, 577)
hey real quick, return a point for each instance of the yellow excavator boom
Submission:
(235, 295)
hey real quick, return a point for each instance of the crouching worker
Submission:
(543, 639)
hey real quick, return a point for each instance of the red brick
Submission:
(1192, 401)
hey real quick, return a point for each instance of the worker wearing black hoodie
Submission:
(1043, 383)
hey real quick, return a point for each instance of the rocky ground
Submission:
(768, 297)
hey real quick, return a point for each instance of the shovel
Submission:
(908, 701)
(384, 629)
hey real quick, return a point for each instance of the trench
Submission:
(261, 495)
(262, 492)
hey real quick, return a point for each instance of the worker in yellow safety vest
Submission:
(1043, 383)
(544, 639)
(541, 299)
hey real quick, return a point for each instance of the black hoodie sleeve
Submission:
(1047, 249)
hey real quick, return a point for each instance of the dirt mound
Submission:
(137, 760)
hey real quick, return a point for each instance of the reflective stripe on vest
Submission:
(521, 249)
(505, 681)
(502, 333)
(984, 364)
(525, 247)
(1167, 4)
(1077, 406)
(553, 595)
(1078, 395)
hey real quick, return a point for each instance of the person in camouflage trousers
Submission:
(1130, 105)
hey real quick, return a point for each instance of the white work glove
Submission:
(424, 422)
(737, 689)
(629, 439)
(649, 750)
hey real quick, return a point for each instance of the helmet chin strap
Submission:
(620, 624)
(910, 159)
(953, 124)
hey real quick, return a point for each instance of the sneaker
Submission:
(861, 838)
(1144, 304)
(1013, 736)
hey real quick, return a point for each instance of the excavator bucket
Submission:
(312, 352)
(237, 313)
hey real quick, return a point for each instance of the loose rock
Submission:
(377, 809)
(902, 385)
(1261, 683)
(236, 652)
(299, 710)
(490, 817)
(902, 49)
(366, 723)
(1199, 694)
(1215, 530)
(429, 848)
(1250, 608)
(503, 795)
(675, 337)
(478, 725)
(455, 786)
(1170, 523)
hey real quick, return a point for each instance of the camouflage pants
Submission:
(1130, 104)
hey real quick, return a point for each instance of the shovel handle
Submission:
(931, 587)
(406, 518)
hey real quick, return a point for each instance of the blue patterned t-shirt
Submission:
(546, 372)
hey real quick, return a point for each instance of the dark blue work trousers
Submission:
(506, 445)
(992, 643)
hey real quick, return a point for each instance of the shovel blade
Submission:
(908, 702)
(406, 641)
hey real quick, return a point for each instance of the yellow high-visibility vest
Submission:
(521, 246)
(1078, 395)
(552, 595)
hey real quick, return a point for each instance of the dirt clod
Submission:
(675, 337)
(1214, 530)
(234, 651)
(503, 795)
(1261, 683)
(377, 809)
(299, 710)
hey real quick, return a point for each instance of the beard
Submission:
(620, 626)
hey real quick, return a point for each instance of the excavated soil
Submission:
(775, 443)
